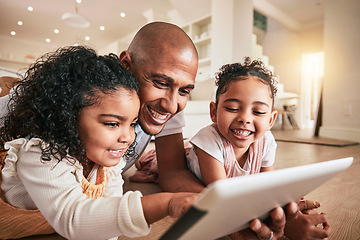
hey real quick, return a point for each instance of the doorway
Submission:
(312, 77)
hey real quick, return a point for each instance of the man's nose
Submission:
(170, 103)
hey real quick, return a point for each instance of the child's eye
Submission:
(259, 113)
(232, 109)
(111, 124)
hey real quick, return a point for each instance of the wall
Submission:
(341, 113)
(282, 46)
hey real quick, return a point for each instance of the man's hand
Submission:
(274, 228)
(276, 224)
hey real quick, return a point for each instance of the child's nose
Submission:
(127, 136)
(244, 117)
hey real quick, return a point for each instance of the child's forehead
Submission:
(249, 78)
(241, 87)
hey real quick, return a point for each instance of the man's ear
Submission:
(273, 118)
(213, 111)
(125, 60)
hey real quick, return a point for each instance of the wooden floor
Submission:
(340, 197)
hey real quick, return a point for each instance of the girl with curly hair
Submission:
(239, 141)
(68, 124)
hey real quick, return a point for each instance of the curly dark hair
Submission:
(47, 103)
(239, 71)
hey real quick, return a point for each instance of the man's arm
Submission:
(174, 175)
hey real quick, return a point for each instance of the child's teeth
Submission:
(242, 132)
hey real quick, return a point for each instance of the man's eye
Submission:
(184, 92)
(160, 83)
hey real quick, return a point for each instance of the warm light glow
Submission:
(13, 33)
(20, 23)
(102, 28)
(48, 40)
(312, 75)
(87, 38)
(30, 9)
(56, 31)
(122, 14)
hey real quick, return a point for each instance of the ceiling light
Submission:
(56, 31)
(13, 33)
(48, 40)
(102, 28)
(75, 19)
(30, 9)
(87, 38)
(122, 14)
(20, 23)
(78, 1)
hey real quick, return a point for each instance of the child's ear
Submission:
(213, 111)
(273, 117)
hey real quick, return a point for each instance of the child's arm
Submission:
(211, 169)
(159, 205)
(267, 169)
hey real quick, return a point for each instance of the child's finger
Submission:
(308, 204)
(310, 211)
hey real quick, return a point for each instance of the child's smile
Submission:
(107, 128)
(244, 111)
(242, 133)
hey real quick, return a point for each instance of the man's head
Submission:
(164, 60)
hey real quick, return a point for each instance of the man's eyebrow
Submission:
(169, 79)
(163, 76)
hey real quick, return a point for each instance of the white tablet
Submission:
(228, 205)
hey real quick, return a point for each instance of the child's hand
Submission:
(180, 203)
(308, 206)
(305, 227)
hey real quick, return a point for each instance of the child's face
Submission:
(106, 129)
(244, 112)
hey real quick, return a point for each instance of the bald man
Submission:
(164, 60)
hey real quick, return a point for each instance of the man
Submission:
(165, 61)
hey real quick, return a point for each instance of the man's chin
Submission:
(151, 129)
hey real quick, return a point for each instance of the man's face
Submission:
(165, 83)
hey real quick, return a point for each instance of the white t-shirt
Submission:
(209, 140)
(174, 125)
